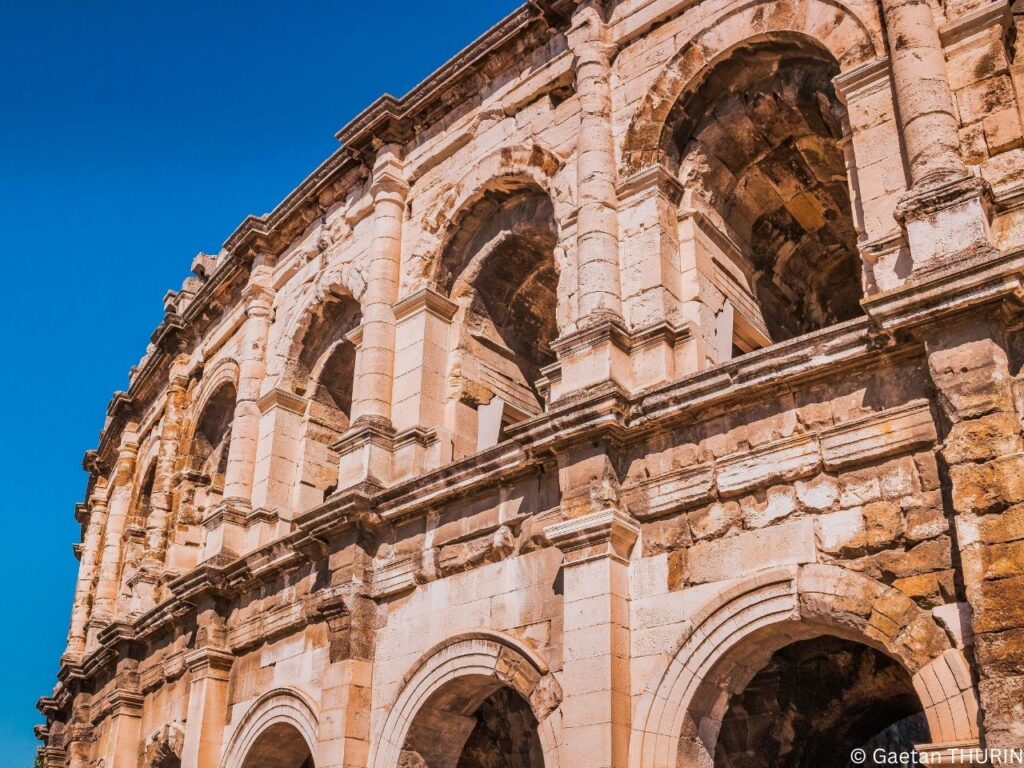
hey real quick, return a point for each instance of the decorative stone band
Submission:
(892, 432)
(605, 533)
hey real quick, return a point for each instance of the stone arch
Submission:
(282, 710)
(334, 284)
(224, 372)
(316, 362)
(489, 657)
(493, 244)
(206, 439)
(504, 168)
(825, 23)
(728, 639)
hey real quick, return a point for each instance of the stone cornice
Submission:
(992, 15)
(605, 533)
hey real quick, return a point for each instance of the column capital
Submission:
(209, 662)
(388, 174)
(429, 300)
(594, 52)
(607, 533)
(259, 299)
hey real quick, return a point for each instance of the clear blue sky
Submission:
(133, 135)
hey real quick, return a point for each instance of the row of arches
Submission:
(756, 136)
(773, 671)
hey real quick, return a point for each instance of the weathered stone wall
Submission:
(645, 355)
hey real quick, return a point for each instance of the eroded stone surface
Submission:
(643, 359)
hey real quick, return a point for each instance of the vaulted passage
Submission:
(473, 723)
(279, 746)
(208, 454)
(500, 265)
(759, 150)
(815, 702)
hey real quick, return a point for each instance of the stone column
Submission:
(245, 426)
(595, 679)
(984, 453)
(225, 524)
(597, 228)
(87, 568)
(371, 398)
(119, 506)
(163, 492)
(367, 446)
(945, 211)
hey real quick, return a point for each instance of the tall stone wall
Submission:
(646, 357)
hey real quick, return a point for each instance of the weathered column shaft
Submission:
(926, 113)
(984, 451)
(597, 228)
(87, 568)
(245, 426)
(160, 503)
(371, 400)
(119, 506)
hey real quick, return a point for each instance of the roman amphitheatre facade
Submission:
(641, 390)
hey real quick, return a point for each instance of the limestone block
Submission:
(883, 522)
(840, 530)
(996, 434)
(788, 543)
(780, 502)
(926, 519)
(891, 432)
(671, 493)
(1003, 130)
(981, 487)
(818, 494)
(784, 460)
(715, 520)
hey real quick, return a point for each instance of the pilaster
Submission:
(595, 679)
(276, 493)
(209, 669)
(350, 617)
(983, 451)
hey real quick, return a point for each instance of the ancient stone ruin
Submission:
(642, 390)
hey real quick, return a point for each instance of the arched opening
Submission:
(325, 374)
(473, 722)
(144, 499)
(208, 453)
(499, 267)
(133, 593)
(280, 745)
(816, 701)
(759, 147)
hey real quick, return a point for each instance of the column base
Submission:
(225, 529)
(947, 221)
(606, 351)
(367, 453)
